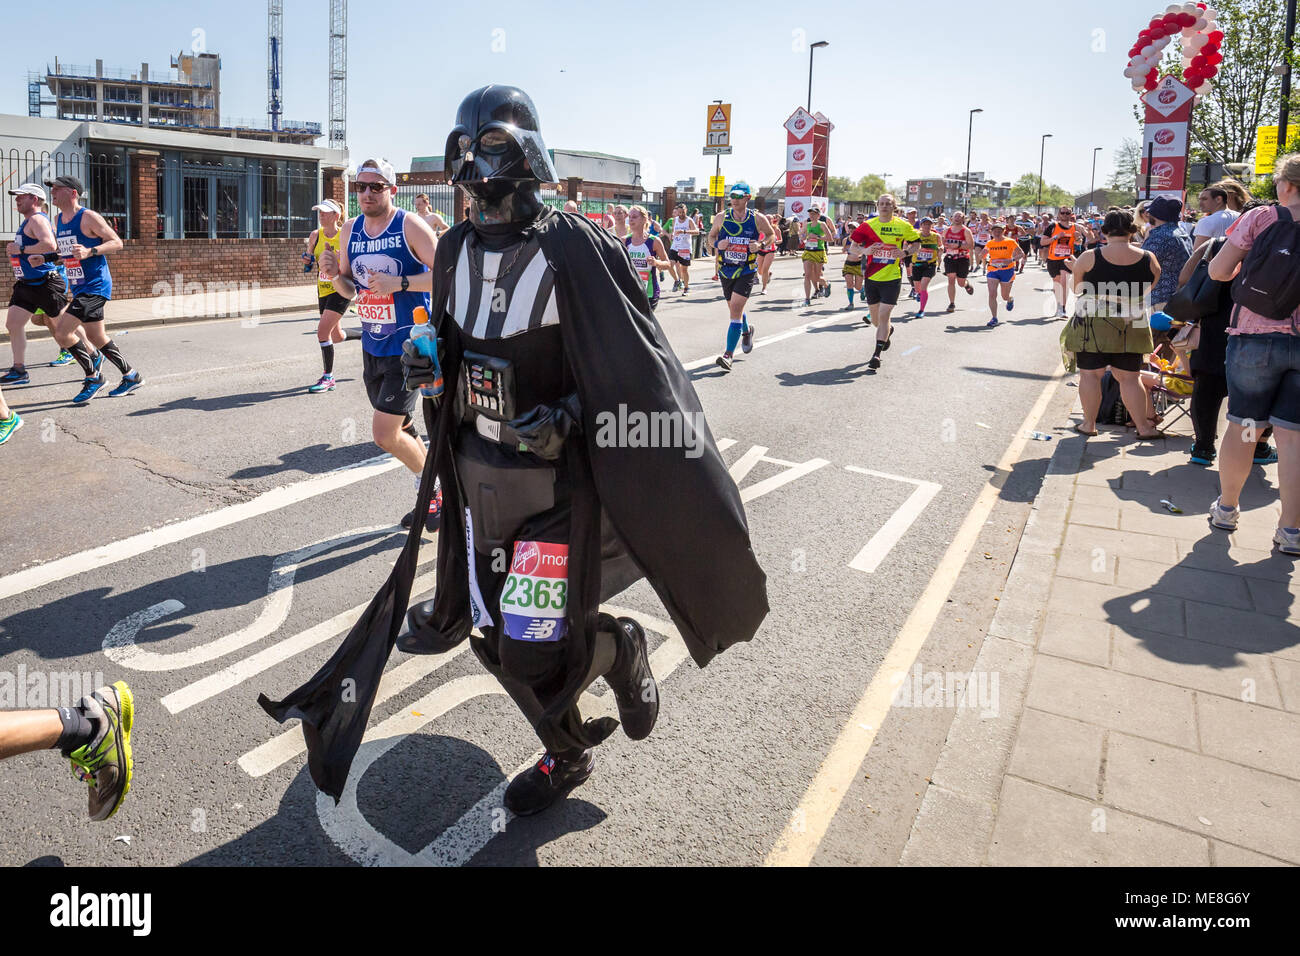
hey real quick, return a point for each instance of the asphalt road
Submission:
(235, 588)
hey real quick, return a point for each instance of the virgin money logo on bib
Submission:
(535, 597)
(528, 558)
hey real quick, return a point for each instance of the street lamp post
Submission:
(1284, 113)
(970, 130)
(810, 59)
(1092, 184)
(1042, 153)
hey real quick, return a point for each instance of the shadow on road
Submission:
(312, 460)
(830, 376)
(1006, 372)
(219, 403)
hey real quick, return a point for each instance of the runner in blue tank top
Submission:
(84, 239)
(383, 266)
(39, 283)
(738, 235)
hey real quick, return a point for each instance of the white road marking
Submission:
(347, 826)
(810, 820)
(120, 646)
(281, 651)
(770, 340)
(282, 748)
(892, 531)
(746, 462)
(793, 471)
(273, 500)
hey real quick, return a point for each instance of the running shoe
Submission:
(724, 361)
(632, 682)
(970, 290)
(747, 341)
(130, 382)
(847, 308)
(952, 307)
(432, 521)
(874, 362)
(105, 762)
(1060, 312)
(1287, 540)
(90, 387)
(991, 323)
(1224, 518)
(1268, 458)
(17, 375)
(1202, 457)
(64, 358)
(324, 384)
(806, 304)
(547, 782)
(10, 425)
(677, 285)
(1011, 304)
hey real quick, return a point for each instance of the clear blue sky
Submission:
(634, 79)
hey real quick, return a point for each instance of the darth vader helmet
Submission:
(495, 151)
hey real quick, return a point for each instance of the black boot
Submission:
(547, 782)
(632, 682)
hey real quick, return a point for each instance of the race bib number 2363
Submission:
(535, 597)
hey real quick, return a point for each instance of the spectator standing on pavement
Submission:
(1109, 328)
(1170, 245)
(1218, 216)
(1263, 364)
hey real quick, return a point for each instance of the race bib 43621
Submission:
(377, 311)
(536, 593)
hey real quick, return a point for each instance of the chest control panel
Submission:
(487, 386)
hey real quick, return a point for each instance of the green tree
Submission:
(1246, 93)
(1024, 193)
(1123, 177)
(842, 188)
(872, 186)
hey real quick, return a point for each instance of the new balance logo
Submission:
(540, 630)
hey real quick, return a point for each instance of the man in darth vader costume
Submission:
(546, 338)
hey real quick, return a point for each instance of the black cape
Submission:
(681, 519)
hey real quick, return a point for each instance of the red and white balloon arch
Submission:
(1202, 42)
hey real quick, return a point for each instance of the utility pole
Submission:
(970, 130)
(810, 61)
(717, 203)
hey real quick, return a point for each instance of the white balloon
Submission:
(1188, 31)
(1174, 8)
(1199, 41)
(1162, 43)
(1199, 24)
(1149, 51)
(1191, 8)
(1205, 88)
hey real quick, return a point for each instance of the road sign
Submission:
(717, 186)
(1265, 150)
(717, 128)
(717, 150)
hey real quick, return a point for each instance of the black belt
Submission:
(496, 431)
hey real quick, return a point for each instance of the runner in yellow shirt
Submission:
(331, 303)
(884, 241)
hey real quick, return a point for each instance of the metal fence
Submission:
(104, 174)
(214, 196)
(441, 196)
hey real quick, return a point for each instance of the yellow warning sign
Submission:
(1265, 150)
(717, 186)
(717, 128)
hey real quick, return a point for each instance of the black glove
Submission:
(417, 369)
(544, 429)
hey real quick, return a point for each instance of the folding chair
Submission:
(1171, 388)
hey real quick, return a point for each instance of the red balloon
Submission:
(1210, 71)
(1170, 19)
(1209, 48)
(1150, 85)
(1186, 20)
(1214, 59)
(1216, 37)
(1199, 63)
(1155, 22)
(1153, 75)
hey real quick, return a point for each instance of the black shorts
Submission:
(383, 377)
(742, 285)
(1056, 266)
(1025, 244)
(923, 270)
(50, 295)
(87, 307)
(1124, 361)
(886, 292)
(956, 264)
(682, 256)
(332, 303)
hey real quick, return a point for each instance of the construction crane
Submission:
(274, 57)
(338, 74)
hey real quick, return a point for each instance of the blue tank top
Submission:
(386, 319)
(23, 270)
(88, 276)
(737, 260)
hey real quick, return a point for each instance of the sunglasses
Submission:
(371, 187)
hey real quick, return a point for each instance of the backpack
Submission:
(1112, 410)
(1269, 281)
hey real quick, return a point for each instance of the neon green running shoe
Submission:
(64, 358)
(105, 762)
(10, 425)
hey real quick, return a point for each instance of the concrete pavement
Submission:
(1149, 679)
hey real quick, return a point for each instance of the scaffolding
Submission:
(338, 74)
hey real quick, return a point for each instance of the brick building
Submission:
(206, 208)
